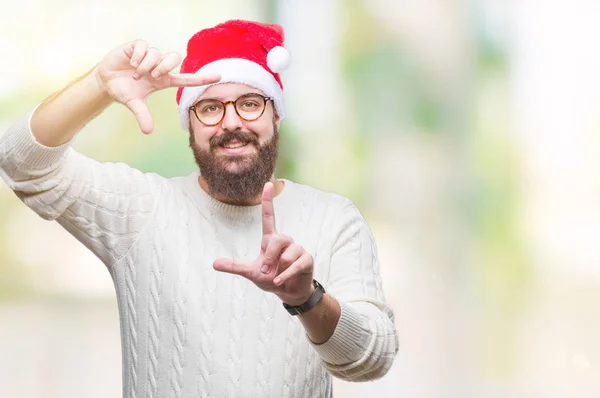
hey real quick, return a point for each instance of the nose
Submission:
(231, 120)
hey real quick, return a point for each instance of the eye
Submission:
(249, 105)
(210, 108)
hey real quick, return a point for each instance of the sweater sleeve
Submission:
(104, 205)
(365, 342)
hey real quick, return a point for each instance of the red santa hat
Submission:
(245, 52)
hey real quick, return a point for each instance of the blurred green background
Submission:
(465, 131)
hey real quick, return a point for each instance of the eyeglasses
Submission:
(249, 107)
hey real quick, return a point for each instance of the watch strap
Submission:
(312, 301)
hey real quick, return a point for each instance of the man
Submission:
(230, 282)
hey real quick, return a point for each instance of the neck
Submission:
(278, 186)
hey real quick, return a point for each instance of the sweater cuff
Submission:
(27, 150)
(349, 340)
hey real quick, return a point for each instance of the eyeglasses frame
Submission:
(225, 104)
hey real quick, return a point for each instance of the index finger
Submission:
(268, 212)
(136, 51)
(192, 79)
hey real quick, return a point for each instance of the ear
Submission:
(276, 120)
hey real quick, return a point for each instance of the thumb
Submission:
(142, 114)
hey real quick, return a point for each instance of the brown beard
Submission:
(246, 182)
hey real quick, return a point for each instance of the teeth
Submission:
(236, 145)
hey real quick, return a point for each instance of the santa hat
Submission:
(245, 52)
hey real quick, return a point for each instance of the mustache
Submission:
(233, 135)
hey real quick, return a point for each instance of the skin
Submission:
(128, 75)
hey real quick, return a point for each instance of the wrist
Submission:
(295, 301)
(309, 303)
(97, 87)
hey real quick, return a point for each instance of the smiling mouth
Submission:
(234, 144)
(235, 149)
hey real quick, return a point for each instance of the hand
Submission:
(131, 72)
(282, 267)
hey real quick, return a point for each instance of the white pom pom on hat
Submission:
(278, 59)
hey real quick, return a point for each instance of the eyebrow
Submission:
(222, 99)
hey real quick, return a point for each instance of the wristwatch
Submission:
(309, 304)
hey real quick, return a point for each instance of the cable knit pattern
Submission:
(265, 337)
(188, 331)
(179, 319)
(180, 312)
(130, 282)
(291, 358)
(235, 344)
(153, 323)
(207, 335)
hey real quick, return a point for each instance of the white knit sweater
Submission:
(190, 331)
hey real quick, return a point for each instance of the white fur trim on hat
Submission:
(233, 70)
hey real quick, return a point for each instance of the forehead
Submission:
(228, 91)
